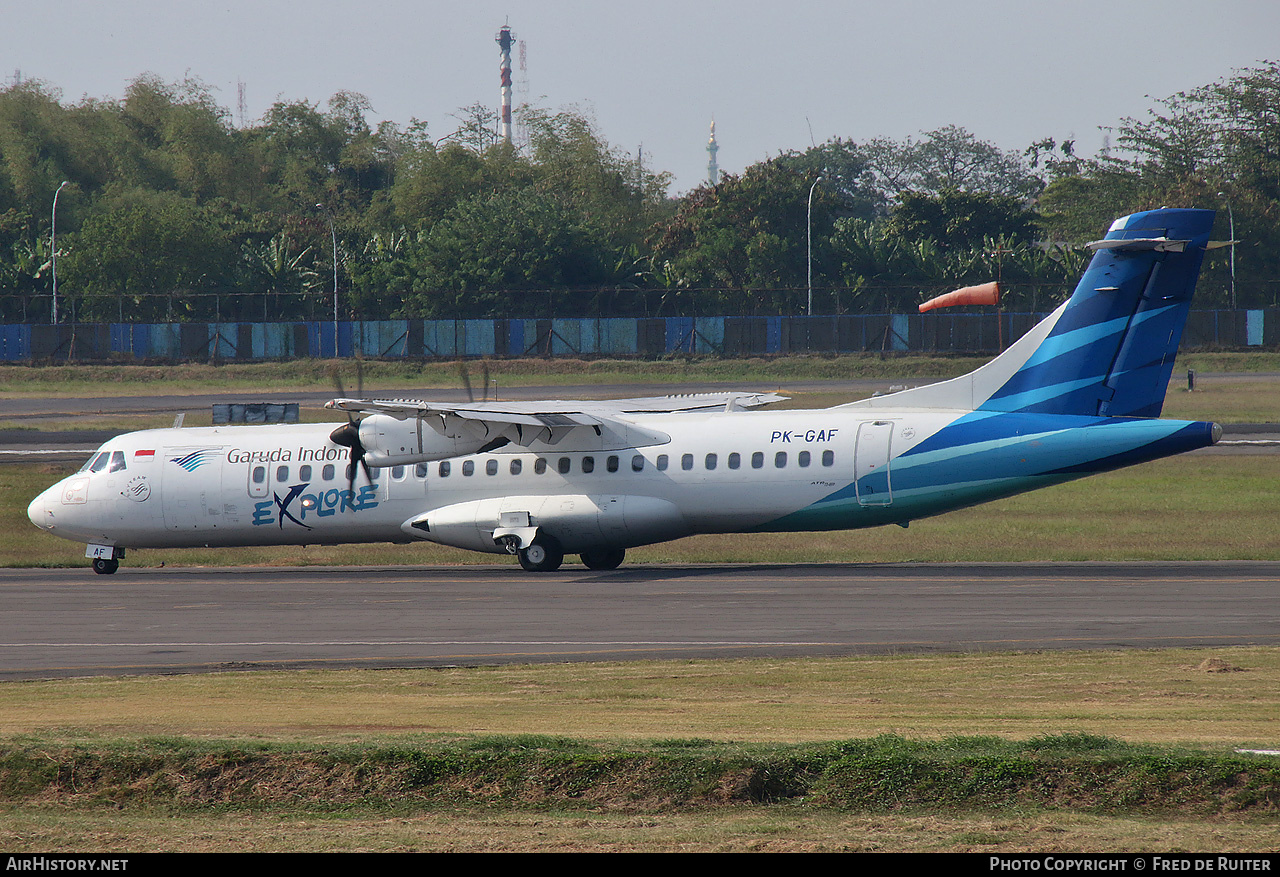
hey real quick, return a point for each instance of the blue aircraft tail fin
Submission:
(1109, 349)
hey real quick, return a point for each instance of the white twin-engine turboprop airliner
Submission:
(1076, 395)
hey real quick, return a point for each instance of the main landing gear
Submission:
(544, 554)
(104, 566)
(603, 558)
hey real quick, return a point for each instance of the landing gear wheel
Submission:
(603, 558)
(544, 554)
(104, 567)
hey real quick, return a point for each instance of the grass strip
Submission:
(884, 773)
(317, 374)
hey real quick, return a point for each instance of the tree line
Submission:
(171, 212)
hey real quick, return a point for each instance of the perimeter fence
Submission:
(727, 336)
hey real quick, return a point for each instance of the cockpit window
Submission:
(100, 462)
(117, 461)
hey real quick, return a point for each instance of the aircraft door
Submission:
(871, 463)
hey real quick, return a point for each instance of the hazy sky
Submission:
(655, 73)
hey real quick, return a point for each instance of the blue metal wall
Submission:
(725, 336)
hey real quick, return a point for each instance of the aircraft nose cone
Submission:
(40, 512)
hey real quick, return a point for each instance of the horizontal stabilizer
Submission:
(1134, 245)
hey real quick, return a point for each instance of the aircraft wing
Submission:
(558, 412)
(552, 420)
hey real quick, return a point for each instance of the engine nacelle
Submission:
(390, 441)
(577, 521)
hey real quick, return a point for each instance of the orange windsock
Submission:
(985, 294)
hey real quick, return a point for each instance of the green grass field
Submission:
(1062, 751)
(128, 380)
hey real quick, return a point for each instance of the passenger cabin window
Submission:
(491, 467)
(282, 473)
(539, 466)
(563, 465)
(686, 462)
(828, 458)
(588, 464)
(443, 469)
(803, 458)
(397, 472)
(662, 462)
(611, 464)
(371, 473)
(516, 466)
(468, 467)
(735, 460)
(304, 473)
(421, 470)
(757, 460)
(780, 459)
(327, 472)
(259, 474)
(711, 462)
(637, 463)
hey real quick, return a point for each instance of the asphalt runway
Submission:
(61, 623)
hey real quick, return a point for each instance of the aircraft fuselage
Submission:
(837, 468)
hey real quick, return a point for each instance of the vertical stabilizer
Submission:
(1107, 351)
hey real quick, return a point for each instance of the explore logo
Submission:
(321, 504)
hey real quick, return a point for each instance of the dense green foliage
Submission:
(171, 211)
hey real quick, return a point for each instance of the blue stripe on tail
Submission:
(1111, 352)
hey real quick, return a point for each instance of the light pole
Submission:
(809, 227)
(1231, 233)
(53, 245)
(334, 235)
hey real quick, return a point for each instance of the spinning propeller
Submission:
(348, 435)
(498, 441)
(466, 381)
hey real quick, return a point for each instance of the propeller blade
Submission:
(466, 381)
(486, 380)
(348, 436)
